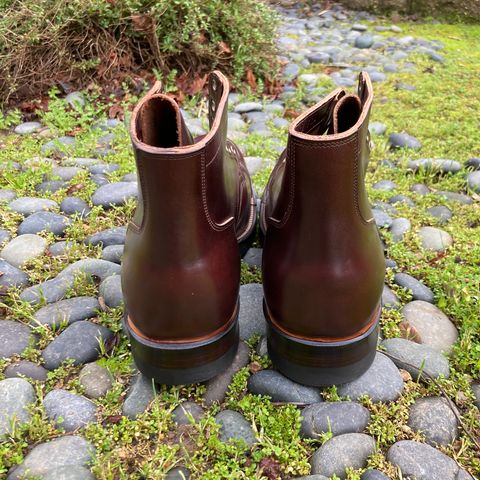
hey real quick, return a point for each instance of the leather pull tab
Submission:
(156, 88)
(346, 113)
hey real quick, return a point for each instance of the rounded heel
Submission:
(184, 363)
(321, 363)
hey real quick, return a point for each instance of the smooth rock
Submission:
(440, 212)
(27, 127)
(4, 236)
(111, 291)
(50, 186)
(430, 326)
(70, 450)
(416, 358)
(140, 394)
(7, 195)
(16, 395)
(364, 41)
(435, 239)
(377, 128)
(103, 168)
(422, 462)
(26, 369)
(435, 164)
(95, 379)
(399, 227)
(44, 222)
(473, 181)
(403, 140)
(254, 164)
(434, 418)
(341, 452)
(248, 107)
(69, 411)
(234, 426)
(69, 472)
(382, 219)
(281, 389)
(386, 185)
(60, 248)
(216, 388)
(455, 197)
(250, 318)
(419, 290)
(113, 253)
(74, 205)
(389, 299)
(15, 337)
(476, 394)
(420, 189)
(79, 342)
(374, 475)
(67, 311)
(187, 413)
(178, 473)
(29, 205)
(253, 257)
(11, 276)
(75, 99)
(473, 163)
(115, 194)
(382, 382)
(66, 173)
(110, 236)
(335, 417)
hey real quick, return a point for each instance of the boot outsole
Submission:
(321, 364)
(184, 363)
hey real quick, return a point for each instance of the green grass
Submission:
(443, 113)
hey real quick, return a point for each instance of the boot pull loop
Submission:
(156, 88)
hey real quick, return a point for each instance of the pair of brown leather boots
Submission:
(323, 264)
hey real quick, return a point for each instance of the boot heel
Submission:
(183, 363)
(321, 363)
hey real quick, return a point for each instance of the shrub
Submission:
(46, 41)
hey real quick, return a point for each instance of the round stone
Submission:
(103, 168)
(364, 41)
(350, 450)
(435, 164)
(416, 359)
(430, 326)
(374, 475)
(110, 236)
(389, 299)
(187, 413)
(435, 239)
(233, 426)
(60, 248)
(423, 462)
(248, 107)
(382, 219)
(74, 205)
(44, 222)
(79, 342)
(7, 195)
(96, 380)
(403, 140)
(66, 173)
(29, 205)
(335, 417)
(113, 253)
(75, 99)
(50, 186)
(15, 337)
(377, 128)
(68, 451)
(435, 419)
(420, 189)
(386, 185)
(11, 277)
(130, 177)
(419, 290)
(115, 194)
(250, 318)
(23, 249)
(16, 395)
(178, 473)
(69, 411)
(281, 389)
(473, 181)
(473, 163)
(27, 128)
(382, 382)
(69, 472)
(440, 212)
(455, 197)
(26, 369)
(399, 227)
(476, 394)
(111, 291)
(255, 164)
(401, 199)
(139, 396)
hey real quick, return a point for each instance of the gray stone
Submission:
(281, 389)
(74, 205)
(422, 462)
(476, 393)
(80, 162)
(16, 395)
(455, 197)
(374, 475)
(139, 397)
(95, 379)
(473, 181)
(4, 236)
(187, 413)
(99, 179)
(473, 163)
(66, 173)
(111, 291)
(26, 369)
(399, 227)
(335, 417)
(178, 473)
(255, 164)
(416, 358)
(420, 189)
(253, 257)
(60, 248)
(435, 164)
(435, 419)
(15, 337)
(113, 253)
(69, 411)
(110, 236)
(44, 222)
(440, 212)
(233, 426)
(359, 27)
(67, 311)
(7, 195)
(318, 57)
(382, 219)
(401, 199)
(130, 177)
(58, 146)
(291, 71)
(103, 168)
(75, 99)
(79, 342)
(250, 318)
(50, 186)
(430, 325)
(377, 128)
(69, 472)
(435, 239)
(377, 77)
(386, 185)
(68, 451)
(29, 205)
(27, 128)
(248, 107)
(11, 276)
(403, 140)
(419, 290)
(341, 452)
(389, 299)
(217, 387)
(115, 194)
(382, 382)
(364, 41)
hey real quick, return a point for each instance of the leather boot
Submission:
(181, 266)
(323, 264)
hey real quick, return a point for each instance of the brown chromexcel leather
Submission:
(181, 266)
(323, 264)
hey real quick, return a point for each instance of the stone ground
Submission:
(72, 405)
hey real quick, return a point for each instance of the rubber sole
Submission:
(184, 363)
(321, 364)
